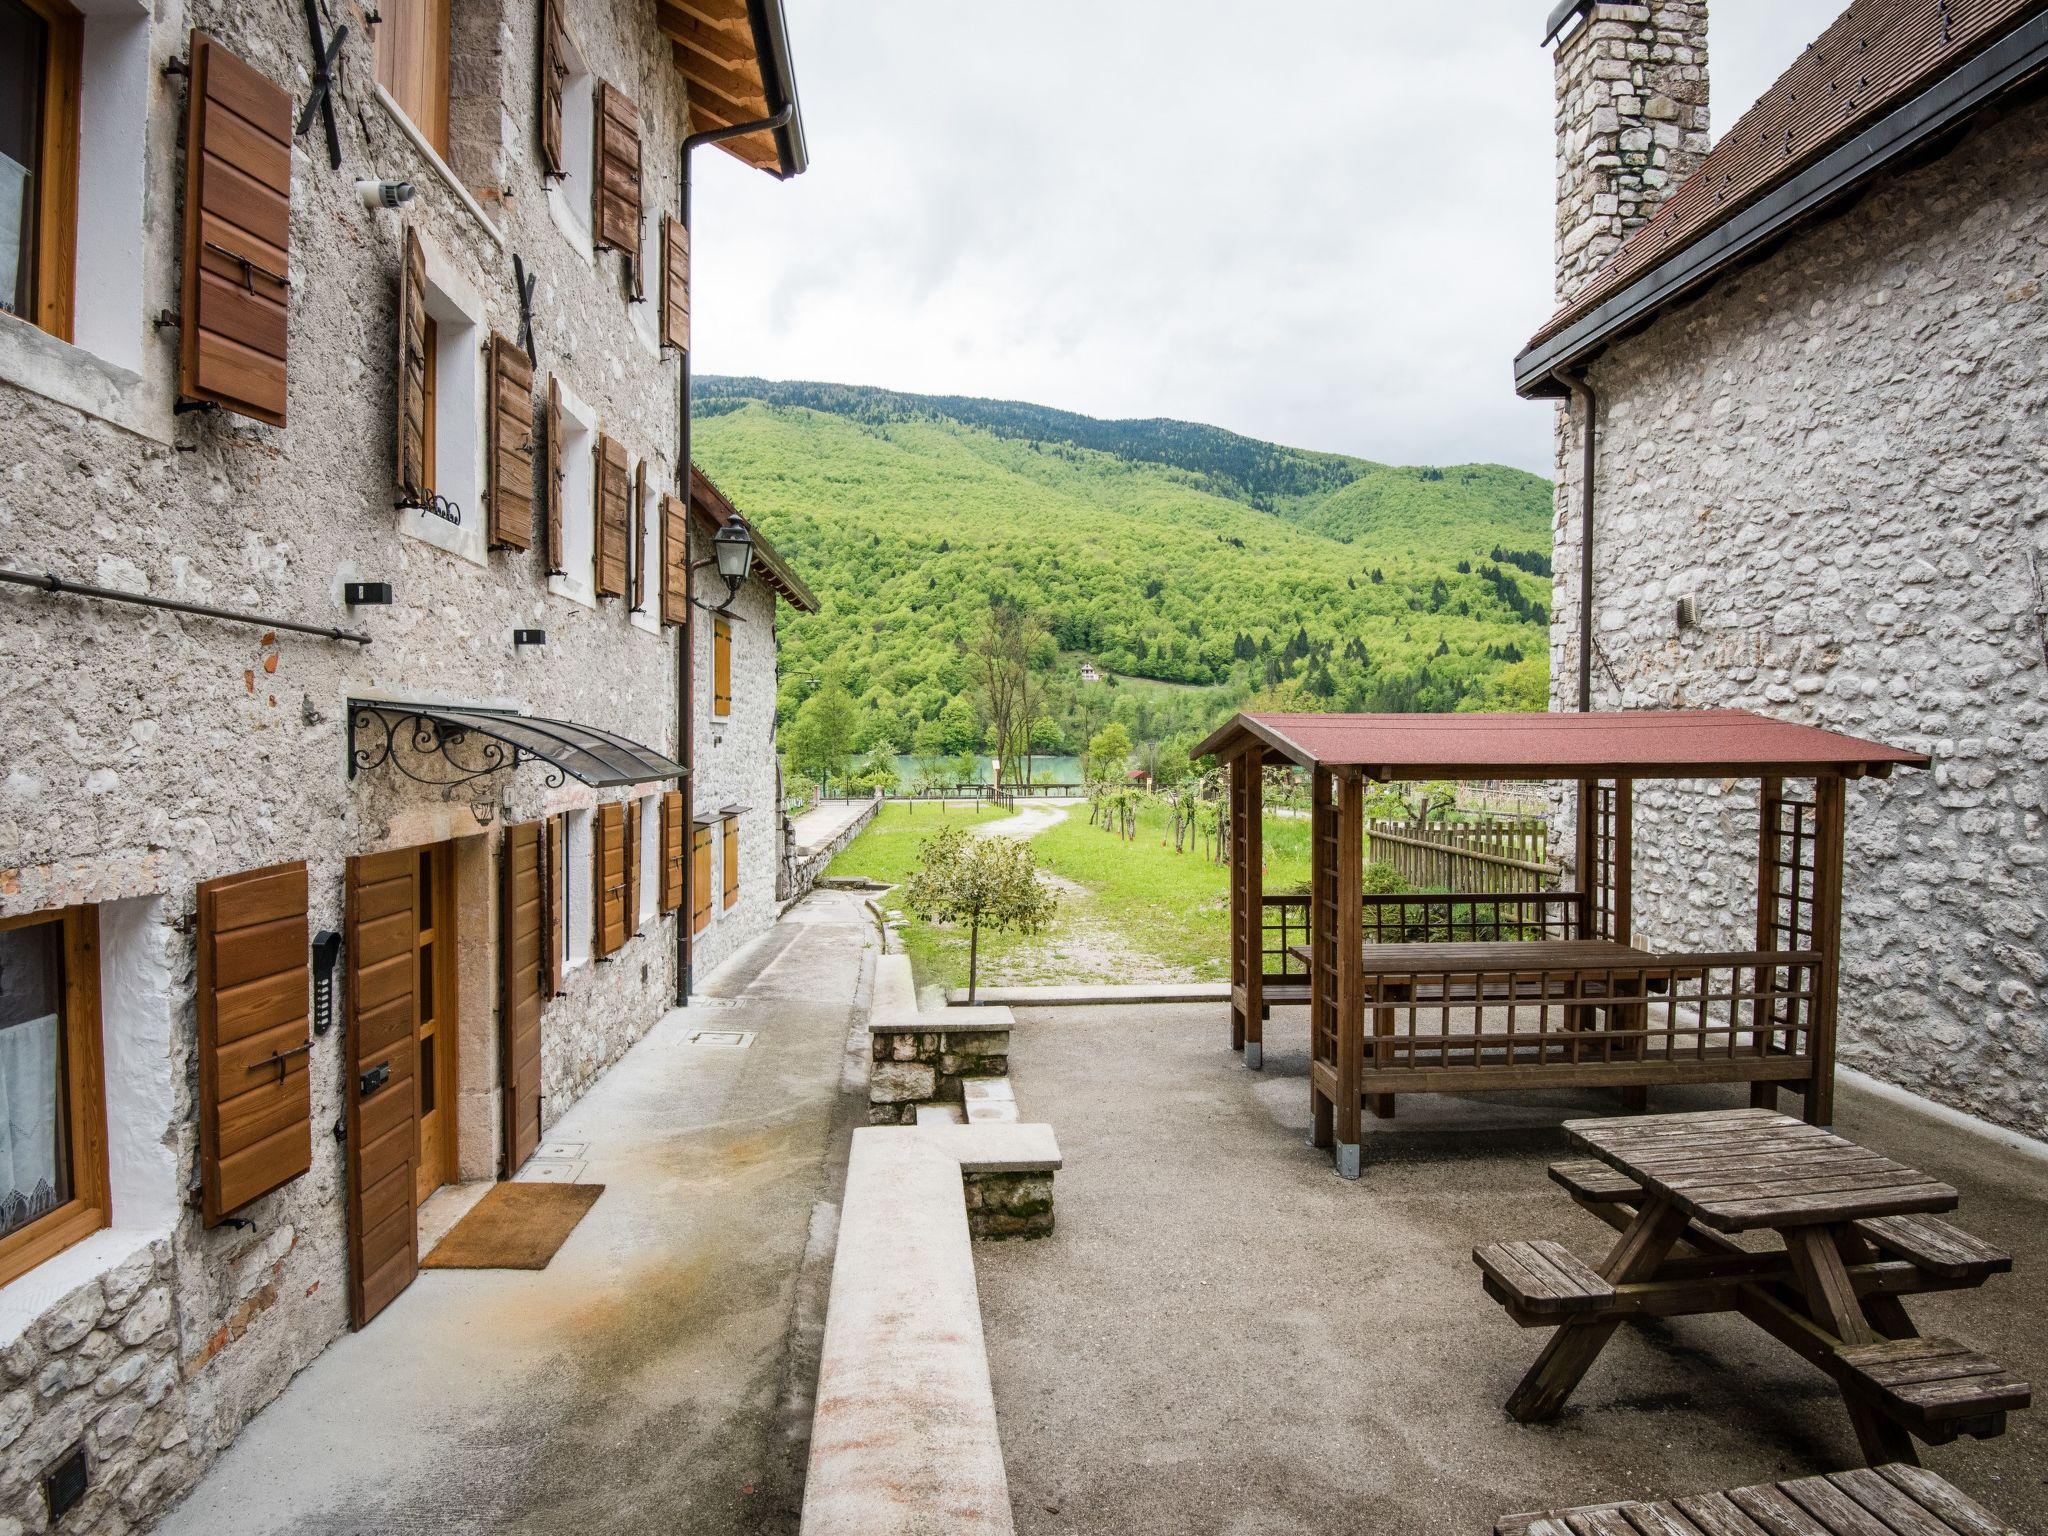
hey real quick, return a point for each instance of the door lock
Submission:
(373, 1079)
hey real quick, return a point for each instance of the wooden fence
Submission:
(1498, 854)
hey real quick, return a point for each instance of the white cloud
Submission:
(1325, 222)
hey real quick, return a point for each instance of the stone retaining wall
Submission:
(924, 1058)
(801, 867)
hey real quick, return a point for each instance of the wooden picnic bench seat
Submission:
(1540, 1279)
(1937, 1388)
(1886, 1498)
(1926, 1242)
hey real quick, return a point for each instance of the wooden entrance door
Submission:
(382, 1114)
(435, 1033)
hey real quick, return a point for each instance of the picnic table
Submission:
(1861, 1502)
(1858, 1231)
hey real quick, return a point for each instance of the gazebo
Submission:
(1452, 992)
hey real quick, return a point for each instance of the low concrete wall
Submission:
(802, 865)
(903, 1438)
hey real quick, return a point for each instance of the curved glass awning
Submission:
(448, 744)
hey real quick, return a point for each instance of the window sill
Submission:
(434, 161)
(573, 229)
(575, 591)
(35, 361)
(29, 1296)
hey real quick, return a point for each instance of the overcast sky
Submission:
(1324, 222)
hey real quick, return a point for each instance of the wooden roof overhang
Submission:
(1889, 85)
(770, 568)
(1636, 744)
(734, 54)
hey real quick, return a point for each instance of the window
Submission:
(40, 44)
(412, 63)
(700, 877)
(569, 194)
(53, 1144)
(452, 464)
(721, 668)
(578, 889)
(646, 612)
(578, 470)
(649, 854)
(731, 834)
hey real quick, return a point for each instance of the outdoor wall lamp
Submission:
(732, 547)
(372, 594)
(529, 637)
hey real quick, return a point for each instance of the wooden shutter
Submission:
(522, 983)
(613, 488)
(721, 667)
(255, 1105)
(700, 877)
(551, 903)
(671, 851)
(675, 283)
(510, 455)
(632, 866)
(675, 561)
(731, 854)
(615, 211)
(381, 1089)
(608, 858)
(554, 69)
(413, 446)
(238, 214)
(637, 549)
(553, 484)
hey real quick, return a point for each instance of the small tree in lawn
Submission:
(984, 882)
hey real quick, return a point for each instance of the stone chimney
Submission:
(1631, 123)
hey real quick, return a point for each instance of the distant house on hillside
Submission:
(1090, 673)
(1800, 471)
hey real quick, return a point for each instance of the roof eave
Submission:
(1983, 80)
(778, 84)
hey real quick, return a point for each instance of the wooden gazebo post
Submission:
(1247, 904)
(1337, 974)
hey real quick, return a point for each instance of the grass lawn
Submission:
(1131, 911)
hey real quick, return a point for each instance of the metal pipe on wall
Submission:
(1581, 389)
(46, 582)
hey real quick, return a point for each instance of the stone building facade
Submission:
(1819, 495)
(150, 751)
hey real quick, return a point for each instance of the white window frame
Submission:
(648, 555)
(100, 371)
(569, 197)
(578, 581)
(649, 885)
(578, 889)
(460, 325)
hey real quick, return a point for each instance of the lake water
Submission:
(1054, 770)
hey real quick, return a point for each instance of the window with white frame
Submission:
(649, 885)
(577, 580)
(577, 891)
(75, 87)
(648, 556)
(455, 404)
(569, 197)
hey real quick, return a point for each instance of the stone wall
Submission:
(924, 1058)
(1631, 125)
(802, 866)
(1837, 455)
(147, 752)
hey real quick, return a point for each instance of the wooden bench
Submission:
(1857, 1503)
(1541, 1279)
(1935, 1387)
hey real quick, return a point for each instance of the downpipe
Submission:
(686, 736)
(1580, 388)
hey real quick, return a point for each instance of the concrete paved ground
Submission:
(1222, 1336)
(657, 1375)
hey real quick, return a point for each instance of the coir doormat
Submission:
(515, 1226)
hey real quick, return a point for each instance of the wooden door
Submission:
(523, 985)
(382, 947)
(435, 1034)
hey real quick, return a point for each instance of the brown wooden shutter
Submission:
(554, 69)
(675, 283)
(675, 561)
(615, 213)
(522, 980)
(613, 489)
(255, 1106)
(671, 851)
(553, 483)
(412, 373)
(381, 1089)
(721, 668)
(700, 879)
(238, 214)
(608, 858)
(551, 902)
(637, 549)
(731, 855)
(510, 423)
(632, 866)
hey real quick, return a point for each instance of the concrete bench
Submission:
(903, 1438)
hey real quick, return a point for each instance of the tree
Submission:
(999, 659)
(821, 736)
(1109, 753)
(984, 882)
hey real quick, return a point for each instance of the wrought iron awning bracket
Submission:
(429, 738)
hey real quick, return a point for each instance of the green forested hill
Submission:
(1160, 550)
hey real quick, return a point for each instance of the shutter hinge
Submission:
(174, 66)
(168, 320)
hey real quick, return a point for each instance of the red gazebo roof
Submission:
(1649, 744)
